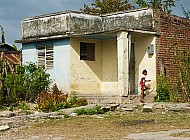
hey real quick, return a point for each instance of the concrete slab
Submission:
(148, 107)
(162, 135)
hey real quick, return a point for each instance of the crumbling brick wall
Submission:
(174, 34)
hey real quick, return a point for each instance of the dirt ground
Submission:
(109, 126)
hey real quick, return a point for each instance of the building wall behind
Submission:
(61, 69)
(174, 35)
(144, 60)
(109, 67)
(85, 75)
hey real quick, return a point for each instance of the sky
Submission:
(13, 11)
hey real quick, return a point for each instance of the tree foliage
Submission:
(2, 35)
(23, 83)
(165, 5)
(186, 13)
(106, 6)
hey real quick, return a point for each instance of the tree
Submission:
(186, 13)
(106, 6)
(2, 35)
(164, 5)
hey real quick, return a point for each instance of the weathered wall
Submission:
(61, 69)
(134, 20)
(144, 60)
(49, 25)
(84, 23)
(109, 67)
(78, 23)
(174, 34)
(85, 76)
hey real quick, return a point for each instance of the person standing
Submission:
(143, 85)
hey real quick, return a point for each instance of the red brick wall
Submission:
(174, 33)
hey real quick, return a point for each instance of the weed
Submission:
(163, 91)
(3, 107)
(81, 111)
(66, 116)
(95, 110)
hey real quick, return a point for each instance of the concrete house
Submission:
(101, 54)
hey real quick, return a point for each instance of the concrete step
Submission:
(106, 99)
(100, 99)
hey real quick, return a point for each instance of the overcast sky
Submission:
(13, 11)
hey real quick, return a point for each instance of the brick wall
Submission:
(174, 34)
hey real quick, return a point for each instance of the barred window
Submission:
(45, 56)
(87, 51)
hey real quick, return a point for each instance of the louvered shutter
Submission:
(49, 57)
(41, 56)
(45, 56)
(87, 51)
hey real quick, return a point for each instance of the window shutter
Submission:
(49, 57)
(87, 51)
(41, 56)
(91, 52)
(45, 56)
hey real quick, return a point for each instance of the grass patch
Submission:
(112, 125)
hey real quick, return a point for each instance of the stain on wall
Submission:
(85, 75)
(79, 24)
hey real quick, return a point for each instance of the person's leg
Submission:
(142, 95)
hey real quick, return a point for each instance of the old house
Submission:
(101, 54)
(10, 54)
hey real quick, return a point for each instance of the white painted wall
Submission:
(145, 61)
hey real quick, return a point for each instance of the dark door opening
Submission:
(132, 69)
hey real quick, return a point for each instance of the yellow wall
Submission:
(143, 60)
(101, 76)
(85, 76)
(109, 67)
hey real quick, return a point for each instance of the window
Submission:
(45, 56)
(87, 51)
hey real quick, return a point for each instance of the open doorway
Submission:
(132, 69)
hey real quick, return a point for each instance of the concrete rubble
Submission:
(13, 120)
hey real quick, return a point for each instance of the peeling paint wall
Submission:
(61, 69)
(109, 67)
(145, 61)
(80, 24)
(85, 76)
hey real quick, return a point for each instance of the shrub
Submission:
(182, 58)
(163, 91)
(27, 82)
(52, 101)
(74, 101)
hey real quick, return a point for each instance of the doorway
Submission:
(132, 69)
